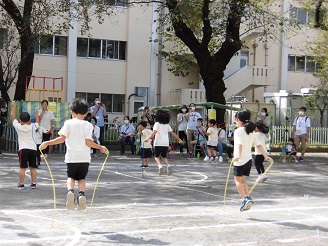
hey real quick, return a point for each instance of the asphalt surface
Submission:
(131, 207)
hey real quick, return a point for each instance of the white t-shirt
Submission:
(145, 134)
(46, 119)
(182, 121)
(301, 124)
(213, 138)
(162, 137)
(192, 121)
(261, 137)
(38, 135)
(247, 141)
(222, 135)
(24, 132)
(96, 132)
(76, 132)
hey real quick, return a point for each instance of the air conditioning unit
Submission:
(141, 91)
(307, 90)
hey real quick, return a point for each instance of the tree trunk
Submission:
(25, 67)
(3, 89)
(321, 117)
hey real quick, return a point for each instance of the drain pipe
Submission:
(160, 49)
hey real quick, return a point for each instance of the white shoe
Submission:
(212, 158)
(206, 158)
(264, 177)
(283, 161)
(220, 159)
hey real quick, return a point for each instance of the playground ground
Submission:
(187, 208)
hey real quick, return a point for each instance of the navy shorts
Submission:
(243, 170)
(161, 151)
(146, 153)
(212, 147)
(77, 171)
(27, 158)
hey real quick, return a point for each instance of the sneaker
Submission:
(82, 202)
(70, 200)
(206, 158)
(263, 177)
(169, 170)
(33, 185)
(212, 158)
(259, 178)
(300, 159)
(160, 171)
(20, 186)
(296, 161)
(246, 204)
(190, 155)
(283, 161)
(220, 159)
(144, 166)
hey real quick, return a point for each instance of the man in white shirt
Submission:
(301, 131)
(191, 118)
(47, 122)
(99, 111)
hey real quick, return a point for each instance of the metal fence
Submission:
(279, 135)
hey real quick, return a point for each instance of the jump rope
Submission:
(251, 189)
(53, 181)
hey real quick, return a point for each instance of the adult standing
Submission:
(99, 111)
(3, 118)
(191, 118)
(301, 131)
(47, 122)
(182, 126)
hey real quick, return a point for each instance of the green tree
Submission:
(210, 33)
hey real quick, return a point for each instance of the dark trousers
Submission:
(125, 140)
(102, 135)
(46, 137)
(183, 137)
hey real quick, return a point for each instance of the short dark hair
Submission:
(212, 121)
(291, 140)
(25, 117)
(93, 118)
(45, 101)
(200, 119)
(143, 123)
(183, 106)
(79, 106)
(163, 116)
(304, 108)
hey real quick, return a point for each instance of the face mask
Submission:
(183, 110)
(97, 102)
(301, 112)
(193, 108)
(93, 122)
(148, 127)
(126, 122)
(263, 113)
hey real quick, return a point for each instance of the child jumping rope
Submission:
(77, 135)
(244, 140)
(161, 143)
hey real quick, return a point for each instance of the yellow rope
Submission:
(257, 180)
(54, 191)
(253, 187)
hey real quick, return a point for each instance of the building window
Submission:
(303, 17)
(305, 64)
(3, 37)
(114, 102)
(51, 45)
(104, 49)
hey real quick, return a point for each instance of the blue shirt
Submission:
(99, 116)
(127, 129)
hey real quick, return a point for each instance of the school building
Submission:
(119, 64)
